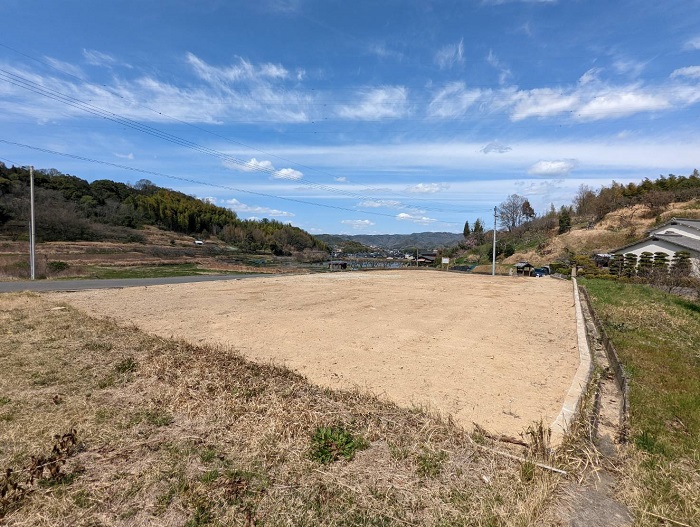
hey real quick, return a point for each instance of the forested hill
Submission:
(69, 208)
(424, 241)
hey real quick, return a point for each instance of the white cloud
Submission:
(97, 58)
(693, 43)
(243, 71)
(386, 102)
(340, 179)
(590, 76)
(449, 55)
(380, 203)
(630, 67)
(253, 165)
(421, 220)
(452, 101)
(621, 102)
(495, 146)
(561, 167)
(504, 72)
(542, 102)
(358, 224)
(427, 188)
(128, 156)
(381, 51)
(65, 67)
(209, 199)
(264, 211)
(692, 72)
(288, 173)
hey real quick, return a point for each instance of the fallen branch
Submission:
(517, 458)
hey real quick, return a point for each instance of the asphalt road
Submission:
(80, 285)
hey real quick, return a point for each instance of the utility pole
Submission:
(493, 264)
(32, 229)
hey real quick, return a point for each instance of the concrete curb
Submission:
(561, 424)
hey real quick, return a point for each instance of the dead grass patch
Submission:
(187, 435)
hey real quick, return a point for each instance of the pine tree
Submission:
(478, 231)
(467, 231)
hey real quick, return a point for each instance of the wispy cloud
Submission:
(452, 101)
(358, 224)
(620, 103)
(386, 102)
(129, 156)
(380, 203)
(340, 179)
(97, 58)
(240, 72)
(558, 168)
(420, 220)
(266, 211)
(427, 188)
(65, 67)
(382, 51)
(692, 72)
(504, 72)
(692, 44)
(542, 102)
(447, 56)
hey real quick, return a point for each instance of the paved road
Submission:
(79, 285)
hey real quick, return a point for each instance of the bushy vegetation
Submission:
(69, 208)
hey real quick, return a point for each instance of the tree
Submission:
(478, 231)
(564, 220)
(510, 212)
(528, 211)
(467, 232)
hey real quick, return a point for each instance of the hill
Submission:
(423, 241)
(69, 208)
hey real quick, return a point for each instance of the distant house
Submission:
(524, 268)
(676, 235)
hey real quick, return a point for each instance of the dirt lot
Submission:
(497, 351)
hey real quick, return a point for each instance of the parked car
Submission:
(541, 271)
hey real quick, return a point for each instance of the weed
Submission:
(329, 444)
(128, 365)
(430, 463)
(4, 401)
(527, 472)
(208, 455)
(210, 476)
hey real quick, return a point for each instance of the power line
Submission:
(195, 181)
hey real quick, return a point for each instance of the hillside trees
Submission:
(71, 209)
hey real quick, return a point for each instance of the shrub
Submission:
(58, 266)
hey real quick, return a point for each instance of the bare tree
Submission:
(510, 212)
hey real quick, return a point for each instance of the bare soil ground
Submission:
(497, 351)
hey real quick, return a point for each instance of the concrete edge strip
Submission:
(561, 424)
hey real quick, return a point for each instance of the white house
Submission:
(677, 234)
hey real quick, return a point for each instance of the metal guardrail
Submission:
(614, 360)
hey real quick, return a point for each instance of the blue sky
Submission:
(354, 116)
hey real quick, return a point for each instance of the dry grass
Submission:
(173, 434)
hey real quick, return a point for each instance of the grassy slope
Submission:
(658, 338)
(172, 434)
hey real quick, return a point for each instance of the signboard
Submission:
(445, 261)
